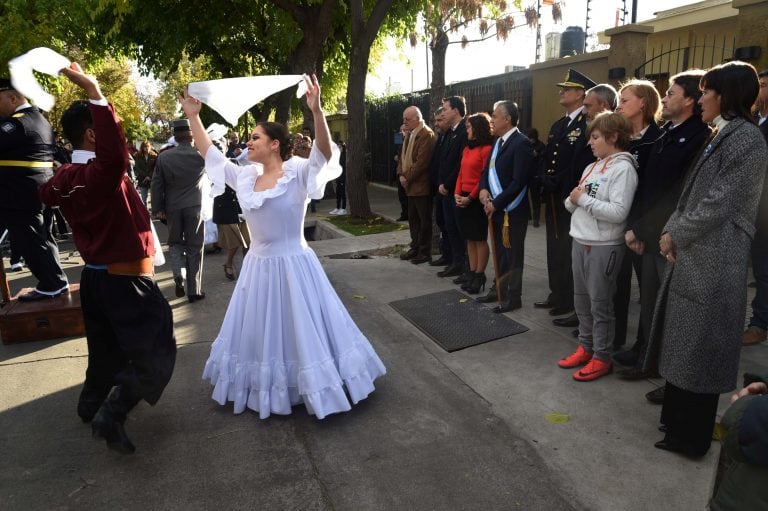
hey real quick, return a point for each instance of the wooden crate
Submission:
(55, 318)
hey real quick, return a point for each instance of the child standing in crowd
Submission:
(599, 205)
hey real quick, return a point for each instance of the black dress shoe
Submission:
(672, 444)
(509, 307)
(408, 255)
(35, 295)
(441, 261)
(179, 281)
(570, 322)
(106, 426)
(195, 298)
(489, 298)
(546, 304)
(656, 396)
(421, 259)
(560, 311)
(451, 271)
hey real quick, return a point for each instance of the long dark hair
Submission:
(738, 86)
(277, 131)
(481, 127)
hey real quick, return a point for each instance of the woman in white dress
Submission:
(286, 337)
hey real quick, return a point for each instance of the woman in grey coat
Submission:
(699, 314)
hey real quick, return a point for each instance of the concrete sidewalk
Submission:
(462, 430)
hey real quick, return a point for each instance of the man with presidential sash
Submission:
(26, 162)
(503, 193)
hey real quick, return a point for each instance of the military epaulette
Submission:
(17, 115)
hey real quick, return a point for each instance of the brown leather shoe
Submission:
(753, 335)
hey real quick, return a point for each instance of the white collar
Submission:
(720, 123)
(23, 106)
(508, 134)
(82, 156)
(575, 113)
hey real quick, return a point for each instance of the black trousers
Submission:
(402, 198)
(455, 240)
(622, 296)
(510, 259)
(689, 417)
(558, 251)
(653, 267)
(37, 246)
(341, 193)
(420, 222)
(445, 245)
(129, 330)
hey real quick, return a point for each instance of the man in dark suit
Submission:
(758, 324)
(26, 162)
(504, 195)
(555, 174)
(449, 162)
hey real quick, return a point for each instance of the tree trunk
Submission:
(357, 186)
(439, 48)
(363, 34)
(316, 23)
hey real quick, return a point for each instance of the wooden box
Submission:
(55, 318)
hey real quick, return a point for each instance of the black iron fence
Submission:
(384, 116)
(672, 58)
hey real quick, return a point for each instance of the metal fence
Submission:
(384, 116)
(672, 58)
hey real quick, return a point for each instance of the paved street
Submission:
(463, 430)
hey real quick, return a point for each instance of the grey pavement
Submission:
(462, 430)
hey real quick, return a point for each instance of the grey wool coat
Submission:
(700, 308)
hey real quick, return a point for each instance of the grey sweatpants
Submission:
(595, 268)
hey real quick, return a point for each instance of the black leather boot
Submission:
(477, 283)
(110, 419)
(90, 401)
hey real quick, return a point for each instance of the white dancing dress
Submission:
(286, 337)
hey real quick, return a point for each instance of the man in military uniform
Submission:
(177, 196)
(26, 162)
(565, 136)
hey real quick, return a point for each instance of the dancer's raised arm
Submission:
(322, 133)
(191, 107)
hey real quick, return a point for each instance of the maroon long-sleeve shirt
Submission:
(109, 222)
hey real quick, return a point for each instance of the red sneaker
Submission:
(594, 370)
(575, 359)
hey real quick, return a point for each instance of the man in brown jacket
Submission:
(413, 172)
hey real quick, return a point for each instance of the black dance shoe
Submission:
(106, 426)
(196, 298)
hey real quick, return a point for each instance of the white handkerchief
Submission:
(216, 131)
(231, 97)
(44, 60)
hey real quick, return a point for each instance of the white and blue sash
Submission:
(495, 184)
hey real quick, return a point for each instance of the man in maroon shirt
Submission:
(128, 322)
